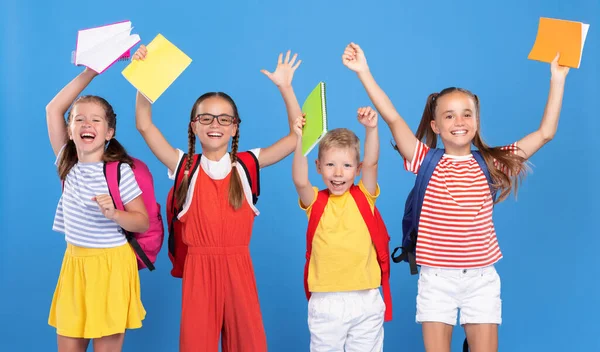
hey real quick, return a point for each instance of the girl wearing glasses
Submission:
(219, 289)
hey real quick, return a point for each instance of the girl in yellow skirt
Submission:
(98, 291)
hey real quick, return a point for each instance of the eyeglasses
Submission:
(207, 119)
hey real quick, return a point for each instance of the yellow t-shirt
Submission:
(343, 257)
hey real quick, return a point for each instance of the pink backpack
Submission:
(147, 244)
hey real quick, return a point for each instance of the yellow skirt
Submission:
(98, 293)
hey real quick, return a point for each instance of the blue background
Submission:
(549, 236)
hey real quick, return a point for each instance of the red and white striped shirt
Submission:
(455, 228)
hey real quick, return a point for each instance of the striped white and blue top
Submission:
(80, 218)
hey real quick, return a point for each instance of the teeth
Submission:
(459, 133)
(215, 134)
(87, 135)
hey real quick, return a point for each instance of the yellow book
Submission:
(315, 128)
(559, 36)
(164, 62)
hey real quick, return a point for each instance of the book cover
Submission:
(315, 128)
(164, 62)
(98, 48)
(559, 36)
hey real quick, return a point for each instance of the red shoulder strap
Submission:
(112, 173)
(180, 172)
(380, 238)
(249, 162)
(313, 221)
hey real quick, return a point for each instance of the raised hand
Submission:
(354, 58)
(299, 124)
(106, 205)
(140, 53)
(559, 73)
(284, 72)
(367, 116)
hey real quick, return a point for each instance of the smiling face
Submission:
(455, 122)
(214, 123)
(339, 160)
(89, 129)
(339, 168)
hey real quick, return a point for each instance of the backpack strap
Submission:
(482, 164)
(424, 174)
(316, 212)
(380, 239)
(112, 174)
(249, 162)
(180, 173)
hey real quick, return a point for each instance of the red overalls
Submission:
(219, 289)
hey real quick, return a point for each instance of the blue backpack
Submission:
(414, 202)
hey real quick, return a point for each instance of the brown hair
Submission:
(236, 192)
(514, 164)
(114, 151)
(341, 138)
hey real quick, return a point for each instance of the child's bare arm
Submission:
(58, 106)
(160, 147)
(282, 77)
(354, 58)
(300, 168)
(531, 143)
(368, 117)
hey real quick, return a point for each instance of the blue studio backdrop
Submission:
(549, 236)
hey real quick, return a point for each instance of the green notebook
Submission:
(315, 127)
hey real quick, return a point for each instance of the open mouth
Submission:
(337, 185)
(88, 137)
(459, 132)
(214, 135)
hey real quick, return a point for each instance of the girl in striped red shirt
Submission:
(457, 246)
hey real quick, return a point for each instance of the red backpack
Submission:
(146, 245)
(379, 236)
(177, 248)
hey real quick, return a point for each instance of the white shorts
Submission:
(346, 321)
(476, 292)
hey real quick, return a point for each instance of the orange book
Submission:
(559, 36)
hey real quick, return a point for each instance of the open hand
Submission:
(284, 72)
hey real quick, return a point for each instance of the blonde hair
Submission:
(340, 138)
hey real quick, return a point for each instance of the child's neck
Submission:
(458, 151)
(94, 157)
(214, 155)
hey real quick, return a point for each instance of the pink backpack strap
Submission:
(112, 173)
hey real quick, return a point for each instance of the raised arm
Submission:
(282, 77)
(368, 117)
(58, 106)
(531, 143)
(300, 167)
(354, 58)
(167, 155)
